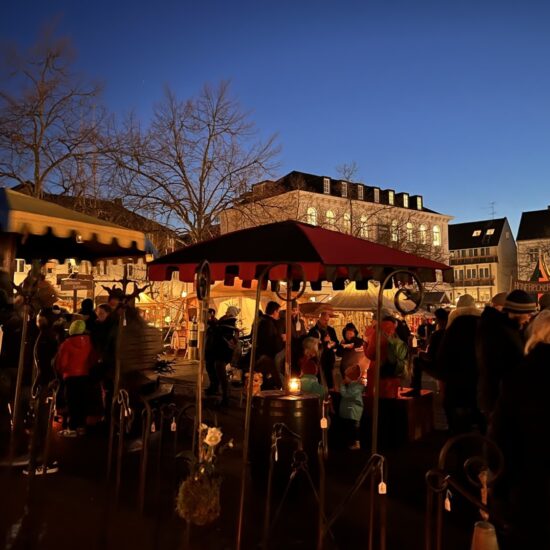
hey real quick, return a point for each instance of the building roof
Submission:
(475, 234)
(315, 184)
(534, 225)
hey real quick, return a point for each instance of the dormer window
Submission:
(360, 192)
(391, 197)
(344, 189)
(405, 200)
(476, 233)
(376, 195)
(326, 186)
(490, 232)
(419, 203)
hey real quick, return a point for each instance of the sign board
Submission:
(75, 276)
(76, 284)
(530, 286)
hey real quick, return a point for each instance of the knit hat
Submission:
(544, 301)
(309, 367)
(353, 373)
(518, 301)
(77, 327)
(232, 311)
(466, 300)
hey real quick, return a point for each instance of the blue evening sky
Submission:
(447, 99)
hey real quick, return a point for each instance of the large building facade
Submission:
(393, 218)
(483, 255)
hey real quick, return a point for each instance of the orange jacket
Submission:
(75, 356)
(388, 329)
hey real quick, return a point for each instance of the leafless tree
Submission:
(49, 119)
(195, 160)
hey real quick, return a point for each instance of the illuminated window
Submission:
(19, 265)
(329, 216)
(419, 203)
(326, 186)
(312, 216)
(437, 235)
(490, 232)
(394, 231)
(391, 197)
(376, 195)
(344, 189)
(476, 233)
(423, 234)
(405, 200)
(364, 230)
(410, 230)
(360, 192)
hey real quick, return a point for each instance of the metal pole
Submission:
(288, 328)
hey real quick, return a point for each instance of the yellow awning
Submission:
(26, 215)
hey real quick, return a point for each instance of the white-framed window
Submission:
(347, 222)
(19, 265)
(329, 216)
(360, 192)
(391, 197)
(376, 194)
(419, 203)
(410, 232)
(312, 216)
(471, 273)
(405, 200)
(490, 232)
(484, 273)
(326, 186)
(423, 233)
(364, 229)
(130, 271)
(436, 235)
(344, 189)
(394, 231)
(476, 233)
(459, 274)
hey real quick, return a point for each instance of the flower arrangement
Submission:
(198, 499)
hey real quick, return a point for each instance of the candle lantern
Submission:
(294, 386)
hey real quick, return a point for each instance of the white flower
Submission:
(204, 427)
(213, 437)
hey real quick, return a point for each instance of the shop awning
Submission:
(45, 230)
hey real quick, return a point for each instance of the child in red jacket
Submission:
(74, 361)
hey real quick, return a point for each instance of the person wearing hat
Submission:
(351, 405)
(457, 363)
(499, 345)
(328, 345)
(73, 362)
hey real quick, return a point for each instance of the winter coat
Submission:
(310, 384)
(45, 349)
(456, 360)
(388, 330)
(327, 353)
(519, 426)
(349, 355)
(351, 403)
(499, 352)
(75, 356)
(225, 339)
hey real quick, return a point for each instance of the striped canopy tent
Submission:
(34, 229)
(320, 254)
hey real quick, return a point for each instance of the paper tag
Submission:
(173, 425)
(324, 423)
(447, 502)
(382, 488)
(153, 428)
(276, 455)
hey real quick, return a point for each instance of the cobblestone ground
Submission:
(76, 507)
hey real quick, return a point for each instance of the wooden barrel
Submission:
(300, 413)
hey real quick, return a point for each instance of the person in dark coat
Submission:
(269, 345)
(225, 338)
(350, 346)
(298, 333)
(88, 313)
(500, 343)
(426, 361)
(458, 366)
(519, 426)
(328, 345)
(209, 353)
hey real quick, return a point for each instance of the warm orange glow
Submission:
(294, 386)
